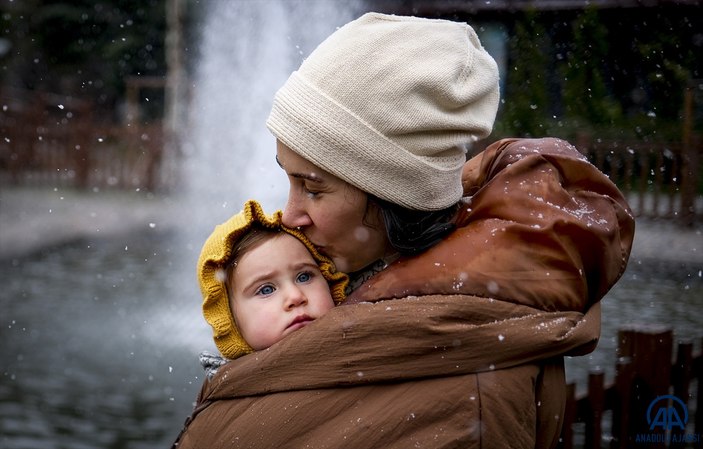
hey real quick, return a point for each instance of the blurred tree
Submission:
(84, 48)
(525, 110)
(586, 97)
(665, 62)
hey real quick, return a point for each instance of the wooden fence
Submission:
(57, 140)
(661, 178)
(54, 140)
(652, 402)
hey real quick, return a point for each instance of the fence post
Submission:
(596, 405)
(681, 377)
(650, 349)
(658, 181)
(644, 176)
(80, 143)
(698, 372)
(629, 171)
(621, 406)
(689, 163)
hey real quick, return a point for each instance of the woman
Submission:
(469, 280)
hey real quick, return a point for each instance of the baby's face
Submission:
(277, 289)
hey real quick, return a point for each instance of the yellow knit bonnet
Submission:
(216, 255)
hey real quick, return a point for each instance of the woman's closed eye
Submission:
(310, 192)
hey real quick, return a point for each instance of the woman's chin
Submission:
(347, 265)
(343, 265)
(340, 265)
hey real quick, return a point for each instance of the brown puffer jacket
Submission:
(460, 347)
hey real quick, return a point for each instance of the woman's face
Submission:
(332, 213)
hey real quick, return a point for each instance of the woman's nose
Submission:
(294, 215)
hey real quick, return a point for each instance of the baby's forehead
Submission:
(285, 242)
(278, 248)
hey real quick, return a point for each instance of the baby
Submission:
(260, 282)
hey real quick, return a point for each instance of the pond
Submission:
(100, 339)
(99, 345)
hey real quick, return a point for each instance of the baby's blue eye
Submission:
(265, 290)
(304, 277)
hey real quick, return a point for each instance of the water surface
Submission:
(99, 345)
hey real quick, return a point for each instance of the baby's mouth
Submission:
(300, 321)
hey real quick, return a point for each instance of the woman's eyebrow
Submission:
(309, 176)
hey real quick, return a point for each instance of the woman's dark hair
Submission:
(413, 231)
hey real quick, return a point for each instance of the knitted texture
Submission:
(216, 255)
(389, 104)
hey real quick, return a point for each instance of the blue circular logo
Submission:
(667, 416)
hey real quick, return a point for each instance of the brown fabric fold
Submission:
(407, 339)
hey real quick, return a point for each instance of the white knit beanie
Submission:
(388, 104)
